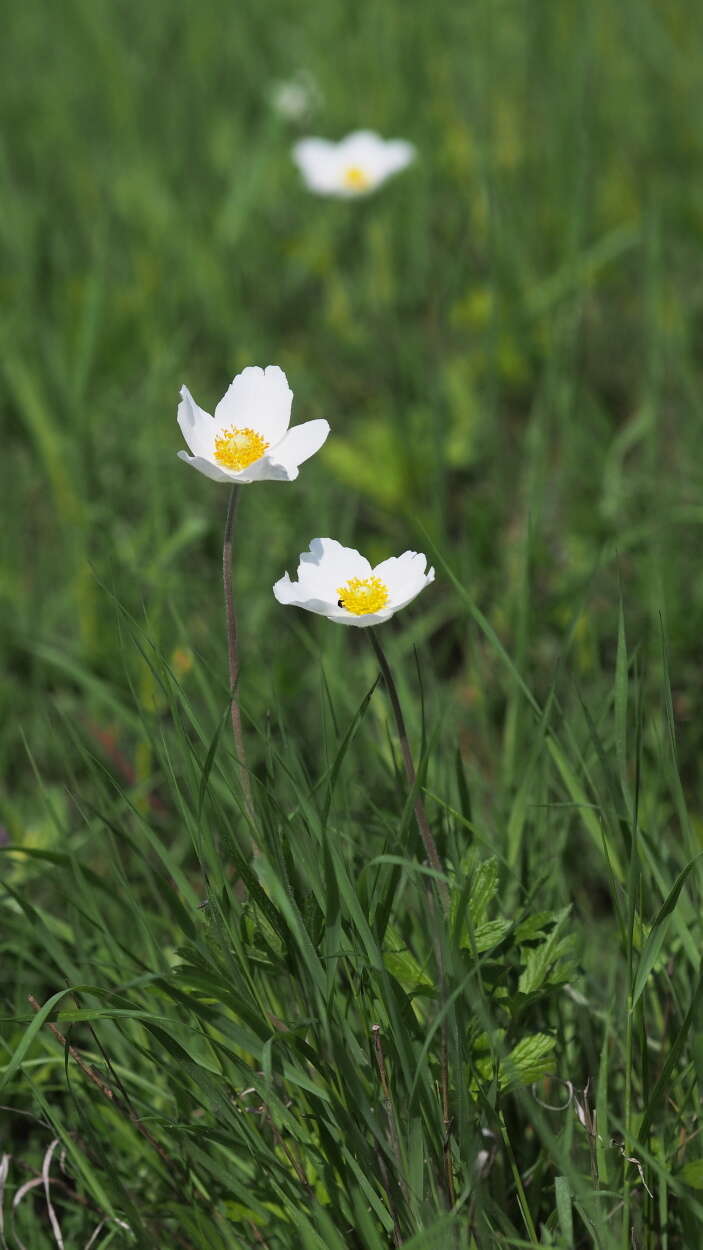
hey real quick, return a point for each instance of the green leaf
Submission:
(528, 1061)
(659, 929)
(403, 965)
(484, 888)
(662, 1082)
(692, 1173)
(590, 818)
(535, 926)
(562, 1192)
(29, 1035)
(490, 934)
(551, 962)
(471, 906)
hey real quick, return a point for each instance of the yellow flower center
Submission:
(363, 595)
(355, 179)
(236, 449)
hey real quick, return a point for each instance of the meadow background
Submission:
(506, 341)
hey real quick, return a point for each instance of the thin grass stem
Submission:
(393, 1133)
(423, 823)
(519, 1187)
(442, 888)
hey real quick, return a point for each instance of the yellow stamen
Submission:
(363, 595)
(237, 449)
(355, 179)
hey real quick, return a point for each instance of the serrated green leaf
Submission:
(533, 927)
(488, 935)
(528, 1061)
(549, 963)
(476, 931)
(484, 888)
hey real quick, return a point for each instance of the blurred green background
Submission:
(507, 335)
(506, 340)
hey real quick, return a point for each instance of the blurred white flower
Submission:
(355, 166)
(484, 1159)
(295, 98)
(339, 583)
(248, 439)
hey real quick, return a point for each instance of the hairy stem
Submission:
(233, 656)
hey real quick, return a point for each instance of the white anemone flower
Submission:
(295, 98)
(248, 439)
(355, 166)
(339, 583)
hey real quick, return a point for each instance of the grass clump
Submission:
(297, 1048)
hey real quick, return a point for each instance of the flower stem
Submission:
(420, 814)
(233, 656)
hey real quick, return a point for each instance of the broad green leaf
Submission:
(528, 1061)
(484, 887)
(490, 934)
(551, 962)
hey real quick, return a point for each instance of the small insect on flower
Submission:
(339, 583)
(248, 439)
(355, 166)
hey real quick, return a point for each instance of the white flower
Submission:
(248, 439)
(355, 166)
(294, 98)
(339, 583)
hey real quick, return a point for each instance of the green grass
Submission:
(506, 342)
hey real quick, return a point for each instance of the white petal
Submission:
(377, 157)
(412, 593)
(295, 594)
(196, 424)
(403, 575)
(322, 570)
(266, 470)
(291, 593)
(318, 163)
(263, 470)
(397, 154)
(259, 399)
(341, 617)
(327, 565)
(207, 467)
(299, 444)
(325, 165)
(361, 147)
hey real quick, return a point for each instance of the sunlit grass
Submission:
(504, 340)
